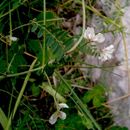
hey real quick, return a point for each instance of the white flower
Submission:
(62, 105)
(90, 35)
(14, 39)
(58, 114)
(106, 53)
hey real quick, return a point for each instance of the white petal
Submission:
(105, 57)
(106, 53)
(110, 49)
(99, 38)
(53, 118)
(93, 43)
(63, 105)
(89, 33)
(13, 39)
(62, 115)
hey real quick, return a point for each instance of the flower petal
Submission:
(110, 49)
(104, 58)
(62, 115)
(14, 39)
(63, 105)
(99, 38)
(53, 118)
(106, 53)
(89, 33)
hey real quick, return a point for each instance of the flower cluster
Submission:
(58, 114)
(106, 53)
(90, 35)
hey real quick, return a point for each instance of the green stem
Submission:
(54, 96)
(21, 73)
(44, 34)
(20, 96)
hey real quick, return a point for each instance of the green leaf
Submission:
(72, 121)
(96, 95)
(40, 33)
(87, 123)
(34, 28)
(34, 47)
(88, 96)
(35, 90)
(3, 119)
(52, 92)
(118, 128)
(97, 102)
(49, 15)
(62, 89)
(18, 60)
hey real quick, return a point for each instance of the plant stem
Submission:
(20, 96)
(44, 34)
(21, 73)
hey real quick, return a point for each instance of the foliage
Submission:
(96, 94)
(118, 128)
(70, 123)
(36, 72)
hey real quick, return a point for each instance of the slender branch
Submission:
(21, 73)
(44, 35)
(20, 95)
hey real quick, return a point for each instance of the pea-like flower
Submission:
(14, 39)
(58, 114)
(91, 36)
(106, 53)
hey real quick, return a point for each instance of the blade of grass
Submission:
(21, 73)
(44, 34)
(3, 119)
(20, 96)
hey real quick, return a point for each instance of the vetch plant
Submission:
(106, 53)
(92, 37)
(14, 39)
(10, 39)
(42, 60)
(58, 113)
